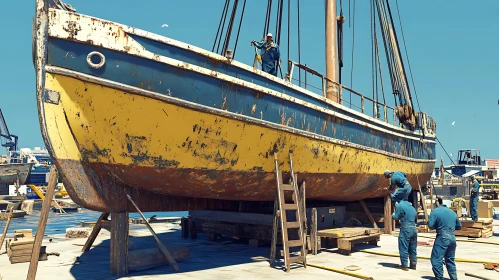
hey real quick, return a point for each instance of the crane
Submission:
(9, 141)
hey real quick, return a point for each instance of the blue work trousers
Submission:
(474, 206)
(408, 243)
(401, 193)
(444, 248)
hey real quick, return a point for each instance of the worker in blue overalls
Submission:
(398, 180)
(474, 199)
(408, 236)
(445, 221)
(270, 54)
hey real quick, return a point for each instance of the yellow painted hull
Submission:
(109, 141)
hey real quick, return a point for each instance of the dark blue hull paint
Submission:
(212, 92)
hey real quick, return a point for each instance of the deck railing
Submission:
(336, 90)
(327, 86)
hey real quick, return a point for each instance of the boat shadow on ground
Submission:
(204, 255)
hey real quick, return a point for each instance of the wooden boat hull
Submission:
(177, 136)
(10, 173)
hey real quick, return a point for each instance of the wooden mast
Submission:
(331, 51)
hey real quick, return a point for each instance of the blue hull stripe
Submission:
(212, 92)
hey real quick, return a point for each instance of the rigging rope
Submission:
(407, 55)
(445, 150)
(353, 47)
(220, 30)
(373, 63)
(267, 19)
(229, 28)
(289, 27)
(239, 29)
(299, 49)
(340, 41)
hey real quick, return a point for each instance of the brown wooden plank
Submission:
(119, 244)
(95, 232)
(347, 243)
(184, 223)
(150, 256)
(42, 223)
(341, 232)
(283, 218)
(368, 213)
(423, 202)
(295, 243)
(274, 231)
(287, 187)
(9, 209)
(388, 215)
(313, 232)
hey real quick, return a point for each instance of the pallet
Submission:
(345, 232)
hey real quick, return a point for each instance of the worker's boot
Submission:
(403, 267)
(412, 266)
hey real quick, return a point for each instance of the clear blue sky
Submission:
(452, 45)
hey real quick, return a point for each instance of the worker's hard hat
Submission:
(387, 173)
(269, 35)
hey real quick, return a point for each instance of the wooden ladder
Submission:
(281, 207)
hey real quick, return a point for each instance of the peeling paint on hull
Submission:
(190, 159)
(178, 135)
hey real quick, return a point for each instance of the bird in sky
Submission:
(164, 25)
(454, 122)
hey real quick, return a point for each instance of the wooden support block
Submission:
(347, 243)
(185, 227)
(143, 257)
(192, 229)
(313, 232)
(344, 232)
(253, 243)
(23, 233)
(388, 215)
(212, 237)
(119, 244)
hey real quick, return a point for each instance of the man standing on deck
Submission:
(445, 221)
(408, 236)
(474, 198)
(270, 54)
(398, 180)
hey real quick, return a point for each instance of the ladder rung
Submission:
(295, 243)
(293, 225)
(296, 259)
(288, 206)
(287, 187)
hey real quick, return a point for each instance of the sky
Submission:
(452, 47)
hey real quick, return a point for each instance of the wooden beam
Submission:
(313, 232)
(161, 247)
(42, 223)
(119, 244)
(368, 213)
(152, 256)
(275, 227)
(388, 215)
(95, 232)
(7, 224)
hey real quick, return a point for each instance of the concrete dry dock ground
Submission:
(227, 260)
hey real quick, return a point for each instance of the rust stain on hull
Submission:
(173, 189)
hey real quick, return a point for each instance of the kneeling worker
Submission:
(398, 180)
(445, 221)
(408, 236)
